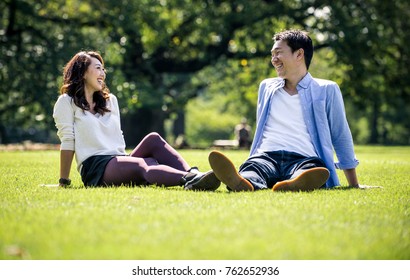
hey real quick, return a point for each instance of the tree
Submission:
(370, 38)
(162, 44)
(157, 51)
(37, 38)
(195, 34)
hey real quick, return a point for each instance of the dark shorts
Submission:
(93, 169)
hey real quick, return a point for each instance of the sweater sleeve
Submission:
(63, 115)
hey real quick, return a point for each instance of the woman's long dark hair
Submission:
(73, 82)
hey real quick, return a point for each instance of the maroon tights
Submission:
(153, 161)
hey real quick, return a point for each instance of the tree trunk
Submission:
(4, 139)
(137, 125)
(374, 123)
(179, 125)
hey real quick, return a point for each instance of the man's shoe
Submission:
(203, 182)
(226, 172)
(307, 180)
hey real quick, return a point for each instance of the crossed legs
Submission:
(280, 170)
(153, 161)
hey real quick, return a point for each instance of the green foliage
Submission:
(216, 111)
(368, 37)
(158, 53)
(231, 93)
(158, 223)
(204, 125)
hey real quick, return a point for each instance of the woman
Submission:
(87, 117)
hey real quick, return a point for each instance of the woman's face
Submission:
(94, 76)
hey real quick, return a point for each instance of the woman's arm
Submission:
(63, 115)
(66, 159)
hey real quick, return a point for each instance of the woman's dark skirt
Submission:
(93, 169)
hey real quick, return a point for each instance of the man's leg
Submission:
(304, 174)
(226, 172)
(256, 173)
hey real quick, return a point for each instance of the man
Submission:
(300, 122)
(243, 134)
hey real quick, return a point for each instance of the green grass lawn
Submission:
(158, 223)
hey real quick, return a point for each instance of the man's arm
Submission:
(351, 177)
(353, 181)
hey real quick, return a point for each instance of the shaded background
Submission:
(190, 67)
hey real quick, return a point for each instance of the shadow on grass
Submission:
(221, 190)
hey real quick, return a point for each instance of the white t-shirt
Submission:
(87, 134)
(285, 128)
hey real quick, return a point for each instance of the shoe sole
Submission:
(226, 172)
(309, 180)
(209, 182)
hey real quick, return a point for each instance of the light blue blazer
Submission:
(325, 117)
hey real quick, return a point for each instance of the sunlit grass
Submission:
(158, 223)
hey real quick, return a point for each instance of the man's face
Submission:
(283, 59)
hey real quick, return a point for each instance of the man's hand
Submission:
(363, 187)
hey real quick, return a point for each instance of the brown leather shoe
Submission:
(308, 180)
(226, 172)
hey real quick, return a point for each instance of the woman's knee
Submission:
(154, 137)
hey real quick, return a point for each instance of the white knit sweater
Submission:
(87, 134)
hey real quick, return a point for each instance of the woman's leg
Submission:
(134, 170)
(154, 146)
(154, 161)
